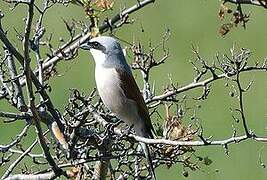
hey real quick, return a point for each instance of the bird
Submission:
(118, 89)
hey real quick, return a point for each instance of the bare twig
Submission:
(91, 141)
(79, 39)
(261, 3)
(18, 95)
(17, 139)
(14, 115)
(15, 163)
(203, 83)
(44, 176)
(36, 118)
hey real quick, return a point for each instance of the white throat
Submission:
(99, 56)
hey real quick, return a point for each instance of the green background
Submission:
(190, 22)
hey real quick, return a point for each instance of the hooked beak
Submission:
(86, 46)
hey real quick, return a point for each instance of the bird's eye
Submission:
(96, 45)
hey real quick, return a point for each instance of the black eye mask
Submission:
(97, 45)
(93, 45)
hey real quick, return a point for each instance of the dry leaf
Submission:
(225, 28)
(74, 173)
(223, 10)
(104, 4)
(59, 136)
(175, 130)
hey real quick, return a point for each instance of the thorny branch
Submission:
(87, 140)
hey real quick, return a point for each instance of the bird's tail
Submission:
(145, 148)
(146, 132)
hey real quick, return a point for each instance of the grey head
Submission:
(106, 52)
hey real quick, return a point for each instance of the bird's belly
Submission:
(108, 86)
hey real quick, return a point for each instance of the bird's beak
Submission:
(86, 46)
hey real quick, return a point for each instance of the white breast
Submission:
(106, 77)
(108, 86)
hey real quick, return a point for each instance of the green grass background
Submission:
(190, 22)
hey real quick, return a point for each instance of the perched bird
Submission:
(118, 89)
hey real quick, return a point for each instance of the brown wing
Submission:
(132, 91)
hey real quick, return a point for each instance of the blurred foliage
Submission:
(190, 22)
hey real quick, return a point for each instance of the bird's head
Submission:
(104, 49)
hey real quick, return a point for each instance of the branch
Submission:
(29, 154)
(17, 161)
(31, 98)
(79, 39)
(14, 115)
(101, 169)
(17, 140)
(45, 176)
(34, 79)
(232, 140)
(241, 105)
(203, 83)
(262, 3)
(120, 16)
(18, 95)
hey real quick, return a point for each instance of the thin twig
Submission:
(19, 159)
(5, 148)
(202, 83)
(261, 3)
(31, 98)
